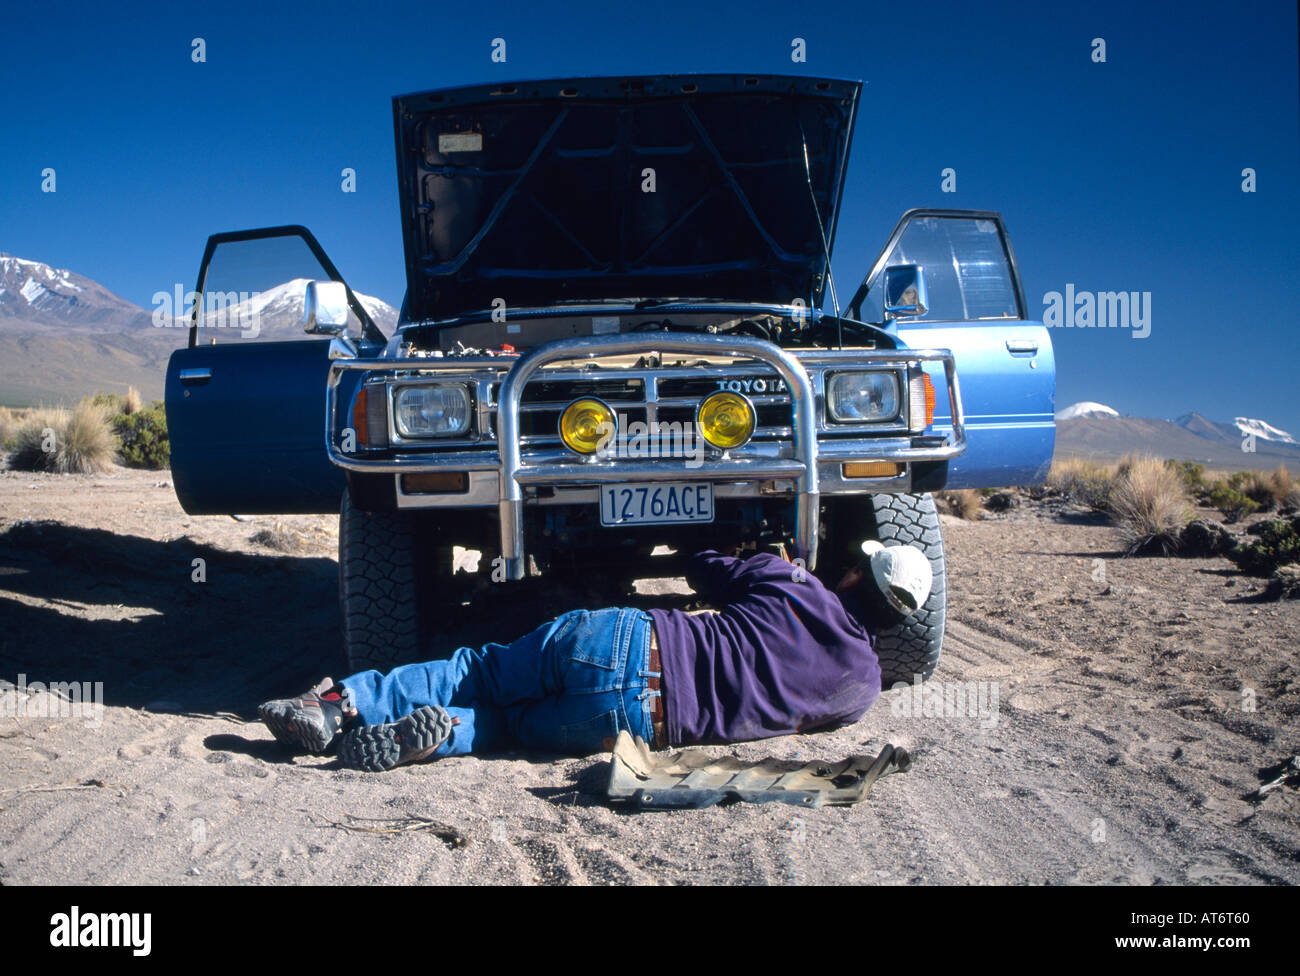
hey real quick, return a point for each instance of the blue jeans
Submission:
(567, 687)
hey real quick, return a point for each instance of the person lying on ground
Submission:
(782, 654)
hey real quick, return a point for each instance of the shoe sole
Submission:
(376, 748)
(293, 726)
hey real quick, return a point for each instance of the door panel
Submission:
(246, 401)
(1006, 368)
(247, 426)
(1008, 397)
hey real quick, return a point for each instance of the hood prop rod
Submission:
(821, 229)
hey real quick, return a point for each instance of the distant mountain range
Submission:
(1097, 431)
(63, 335)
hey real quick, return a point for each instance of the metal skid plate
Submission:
(690, 779)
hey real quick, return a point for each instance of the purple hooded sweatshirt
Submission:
(782, 655)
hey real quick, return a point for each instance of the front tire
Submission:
(906, 646)
(389, 564)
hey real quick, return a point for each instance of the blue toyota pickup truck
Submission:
(615, 338)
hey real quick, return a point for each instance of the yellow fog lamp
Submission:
(726, 420)
(587, 425)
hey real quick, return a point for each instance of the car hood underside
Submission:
(590, 189)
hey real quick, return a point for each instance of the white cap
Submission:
(902, 573)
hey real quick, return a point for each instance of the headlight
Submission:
(726, 420)
(587, 425)
(431, 411)
(862, 398)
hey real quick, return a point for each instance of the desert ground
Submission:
(1138, 701)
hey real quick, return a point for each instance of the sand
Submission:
(1136, 702)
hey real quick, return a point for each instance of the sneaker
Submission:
(312, 721)
(375, 748)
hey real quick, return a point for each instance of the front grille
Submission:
(666, 397)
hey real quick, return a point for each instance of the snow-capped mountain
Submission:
(1235, 431)
(1192, 437)
(1086, 408)
(1262, 431)
(63, 335)
(33, 293)
(277, 311)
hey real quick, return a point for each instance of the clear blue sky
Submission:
(1117, 176)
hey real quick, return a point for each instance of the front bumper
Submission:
(516, 469)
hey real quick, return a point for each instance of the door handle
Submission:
(192, 377)
(1022, 347)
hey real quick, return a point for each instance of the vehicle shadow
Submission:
(178, 625)
(182, 626)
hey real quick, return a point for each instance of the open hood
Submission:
(660, 186)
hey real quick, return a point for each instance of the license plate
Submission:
(650, 504)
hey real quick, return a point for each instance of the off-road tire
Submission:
(388, 582)
(907, 646)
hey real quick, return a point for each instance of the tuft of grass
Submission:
(1083, 482)
(965, 503)
(280, 538)
(132, 402)
(1149, 504)
(63, 441)
(10, 420)
(1281, 484)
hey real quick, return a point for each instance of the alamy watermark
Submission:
(947, 700)
(218, 310)
(1098, 310)
(54, 699)
(656, 439)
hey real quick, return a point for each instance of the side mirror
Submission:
(905, 291)
(325, 308)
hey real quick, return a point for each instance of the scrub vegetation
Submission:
(1149, 504)
(61, 440)
(88, 437)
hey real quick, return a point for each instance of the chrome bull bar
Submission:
(514, 473)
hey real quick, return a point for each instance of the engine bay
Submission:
(520, 331)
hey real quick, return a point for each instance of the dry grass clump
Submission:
(65, 441)
(278, 537)
(1148, 501)
(1081, 481)
(1281, 485)
(965, 503)
(132, 402)
(9, 422)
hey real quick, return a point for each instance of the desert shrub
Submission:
(1234, 504)
(1193, 476)
(143, 435)
(1273, 543)
(1001, 501)
(1083, 482)
(1259, 489)
(280, 538)
(10, 420)
(1281, 484)
(1149, 505)
(964, 503)
(1205, 537)
(75, 441)
(112, 402)
(1291, 503)
(132, 403)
